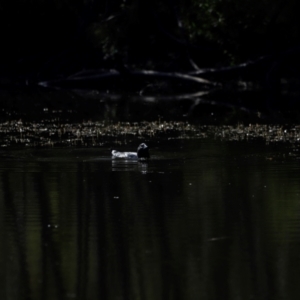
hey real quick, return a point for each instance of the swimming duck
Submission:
(142, 153)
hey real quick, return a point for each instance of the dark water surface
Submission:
(202, 220)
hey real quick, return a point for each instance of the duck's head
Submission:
(143, 151)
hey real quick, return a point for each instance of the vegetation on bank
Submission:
(209, 44)
(44, 38)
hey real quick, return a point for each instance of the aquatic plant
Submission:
(95, 134)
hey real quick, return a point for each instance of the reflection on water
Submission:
(129, 165)
(202, 220)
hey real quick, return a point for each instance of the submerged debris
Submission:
(49, 134)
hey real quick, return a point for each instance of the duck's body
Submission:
(142, 153)
(130, 155)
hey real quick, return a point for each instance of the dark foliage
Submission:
(55, 38)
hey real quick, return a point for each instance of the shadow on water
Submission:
(202, 220)
(225, 105)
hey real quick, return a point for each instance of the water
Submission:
(202, 220)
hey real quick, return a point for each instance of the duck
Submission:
(141, 154)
